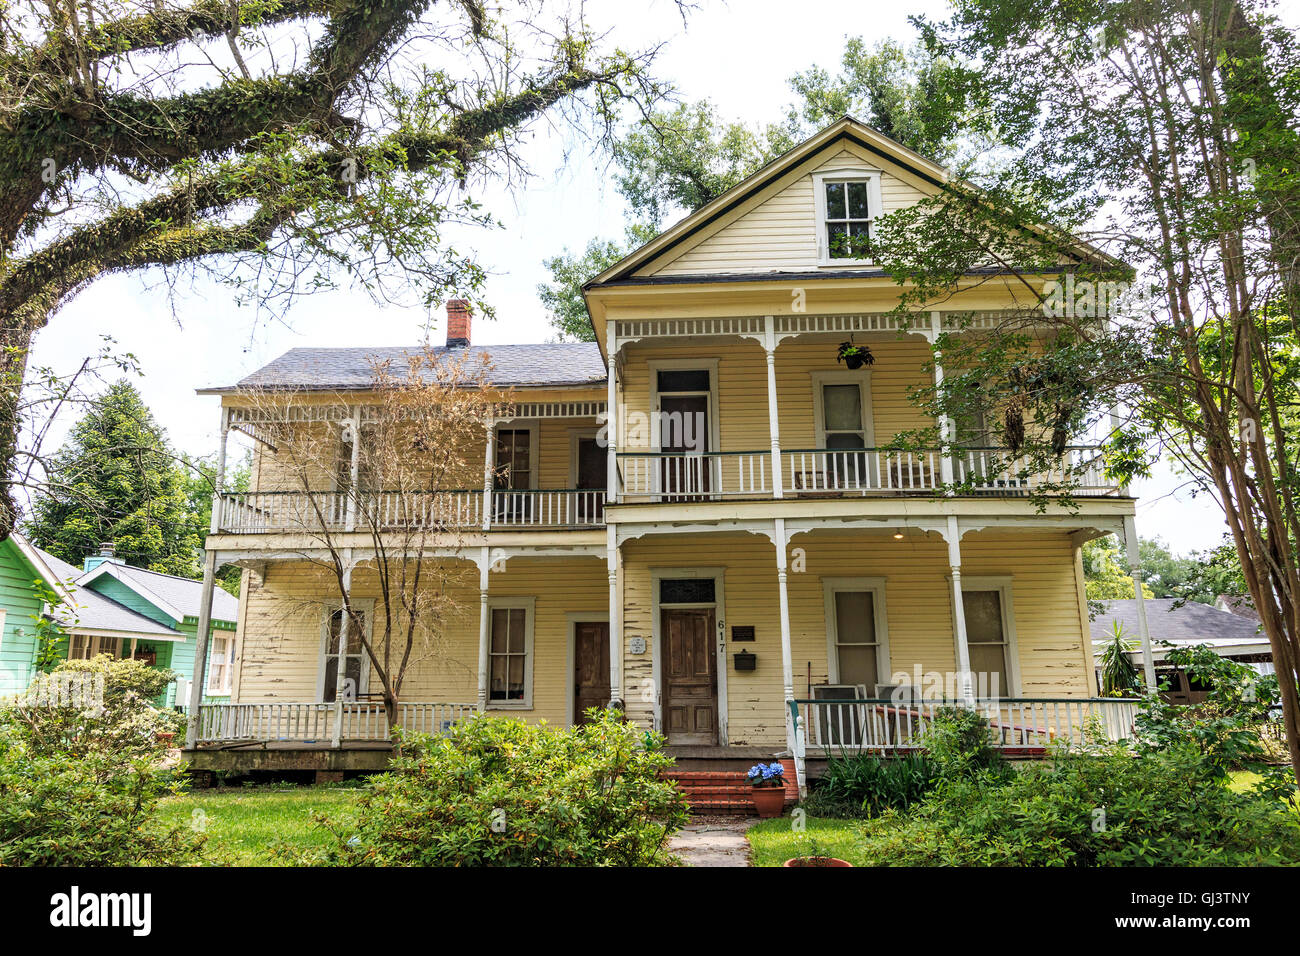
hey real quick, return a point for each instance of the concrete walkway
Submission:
(713, 841)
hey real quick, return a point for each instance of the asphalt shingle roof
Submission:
(1190, 624)
(91, 609)
(184, 594)
(557, 363)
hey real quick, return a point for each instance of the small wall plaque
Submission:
(741, 632)
(746, 661)
(636, 645)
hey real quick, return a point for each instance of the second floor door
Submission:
(684, 426)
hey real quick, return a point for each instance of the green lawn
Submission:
(243, 825)
(775, 841)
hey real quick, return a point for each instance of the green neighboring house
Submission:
(110, 608)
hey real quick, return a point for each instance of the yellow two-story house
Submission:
(697, 516)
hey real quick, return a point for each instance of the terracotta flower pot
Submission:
(816, 861)
(768, 801)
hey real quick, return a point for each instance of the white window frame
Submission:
(710, 365)
(876, 587)
(1002, 583)
(94, 645)
(367, 607)
(532, 426)
(221, 690)
(820, 180)
(861, 378)
(529, 606)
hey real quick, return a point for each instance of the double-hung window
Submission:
(355, 673)
(220, 662)
(510, 653)
(990, 638)
(846, 204)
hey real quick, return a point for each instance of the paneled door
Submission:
(690, 676)
(590, 667)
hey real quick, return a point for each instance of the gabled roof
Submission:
(847, 129)
(86, 610)
(175, 596)
(555, 364)
(55, 573)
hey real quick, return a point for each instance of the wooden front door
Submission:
(690, 675)
(590, 668)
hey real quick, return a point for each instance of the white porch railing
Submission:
(686, 476)
(530, 508)
(267, 511)
(1015, 724)
(827, 472)
(995, 470)
(315, 723)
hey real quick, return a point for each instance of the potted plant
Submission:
(815, 856)
(854, 356)
(767, 786)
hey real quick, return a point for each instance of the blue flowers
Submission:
(767, 774)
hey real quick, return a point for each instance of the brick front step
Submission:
(720, 792)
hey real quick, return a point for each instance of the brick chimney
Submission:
(457, 323)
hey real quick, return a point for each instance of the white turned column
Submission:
(200, 675)
(219, 482)
(1135, 569)
(615, 621)
(787, 655)
(484, 628)
(354, 472)
(773, 416)
(946, 436)
(611, 414)
(489, 471)
(959, 614)
(340, 668)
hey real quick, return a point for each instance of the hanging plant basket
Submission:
(854, 356)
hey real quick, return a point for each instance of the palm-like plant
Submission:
(1118, 675)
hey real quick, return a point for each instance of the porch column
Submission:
(489, 470)
(354, 471)
(945, 423)
(787, 656)
(201, 649)
(611, 416)
(615, 621)
(959, 614)
(484, 628)
(340, 668)
(773, 422)
(219, 482)
(1135, 569)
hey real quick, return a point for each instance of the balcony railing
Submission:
(307, 512)
(316, 723)
(1015, 724)
(837, 472)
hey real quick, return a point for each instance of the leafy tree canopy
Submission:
(117, 480)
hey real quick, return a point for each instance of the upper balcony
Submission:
(845, 473)
(463, 510)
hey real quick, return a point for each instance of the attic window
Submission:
(846, 204)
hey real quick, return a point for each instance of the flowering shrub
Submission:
(498, 792)
(80, 787)
(767, 775)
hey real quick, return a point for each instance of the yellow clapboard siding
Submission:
(280, 649)
(778, 231)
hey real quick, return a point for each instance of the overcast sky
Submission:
(729, 53)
